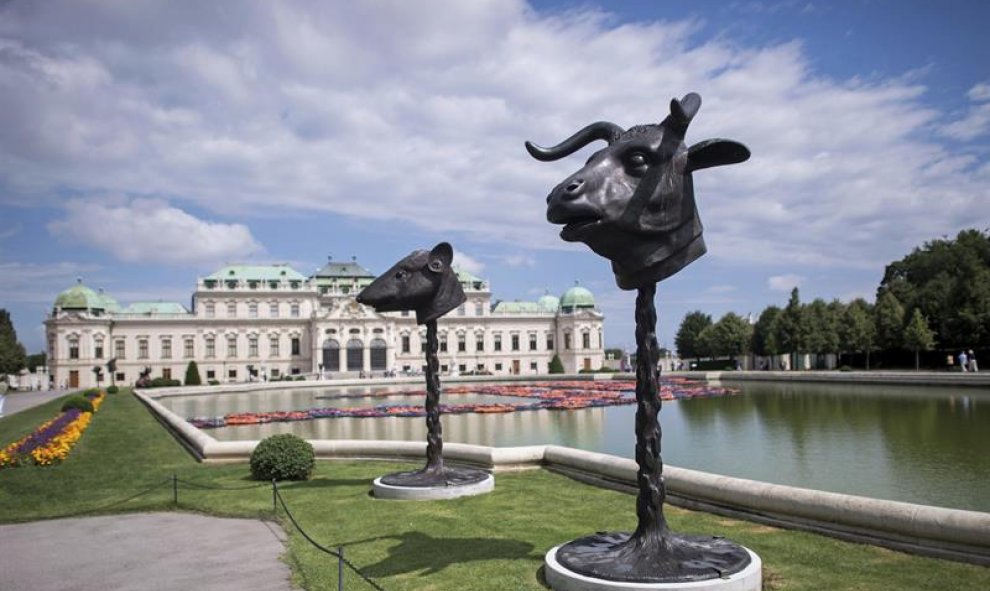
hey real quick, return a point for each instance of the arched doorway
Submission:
(379, 360)
(331, 355)
(355, 355)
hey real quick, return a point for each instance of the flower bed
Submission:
(51, 442)
(542, 395)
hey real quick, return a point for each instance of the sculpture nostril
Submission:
(574, 186)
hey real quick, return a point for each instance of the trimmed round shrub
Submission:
(79, 402)
(282, 457)
(112, 390)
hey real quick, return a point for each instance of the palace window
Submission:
(231, 310)
(532, 366)
(232, 346)
(532, 342)
(98, 349)
(405, 343)
(273, 345)
(211, 310)
(187, 348)
(142, 348)
(118, 348)
(166, 348)
(567, 341)
(585, 340)
(515, 342)
(498, 341)
(211, 347)
(253, 346)
(549, 341)
(461, 343)
(252, 310)
(211, 374)
(479, 309)
(73, 348)
(294, 310)
(296, 348)
(167, 373)
(443, 343)
(273, 310)
(479, 343)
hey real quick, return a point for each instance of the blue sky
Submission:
(144, 144)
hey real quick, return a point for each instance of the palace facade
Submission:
(269, 321)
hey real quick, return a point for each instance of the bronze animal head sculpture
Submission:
(423, 281)
(633, 201)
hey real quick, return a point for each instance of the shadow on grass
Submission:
(417, 551)
(325, 483)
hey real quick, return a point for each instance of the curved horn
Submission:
(682, 112)
(601, 130)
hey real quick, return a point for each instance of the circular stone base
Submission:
(562, 579)
(430, 493)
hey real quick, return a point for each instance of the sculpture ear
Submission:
(441, 257)
(716, 152)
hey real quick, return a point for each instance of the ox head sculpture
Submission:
(633, 201)
(423, 281)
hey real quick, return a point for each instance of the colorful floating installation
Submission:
(565, 395)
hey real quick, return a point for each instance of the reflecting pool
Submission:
(917, 444)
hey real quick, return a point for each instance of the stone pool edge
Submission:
(941, 532)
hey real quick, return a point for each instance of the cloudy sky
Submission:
(146, 143)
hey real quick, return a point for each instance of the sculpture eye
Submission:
(400, 275)
(637, 162)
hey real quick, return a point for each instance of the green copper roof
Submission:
(575, 298)
(466, 276)
(333, 270)
(548, 303)
(257, 273)
(516, 308)
(80, 297)
(155, 308)
(109, 304)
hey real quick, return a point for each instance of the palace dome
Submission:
(577, 298)
(80, 297)
(548, 303)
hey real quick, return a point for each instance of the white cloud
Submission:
(151, 231)
(39, 283)
(468, 263)
(980, 92)
(383, 111)
(784, 282)
(976, 122)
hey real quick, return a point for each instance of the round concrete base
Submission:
(563, 579)
(431, 493)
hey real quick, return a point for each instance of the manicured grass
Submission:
(494, 541)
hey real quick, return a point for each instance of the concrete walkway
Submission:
(17, 401)
(143, 552)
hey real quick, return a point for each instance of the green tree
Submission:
(731, 336)
(686, 339)
(764, 333)
(949, 281)
(918, 336)
(793, 327)
(192, 374)
(36, 360)
(857, 332)
(705, 346)
(12, 355)
(823, 329)
(556, 366)
(888, 315)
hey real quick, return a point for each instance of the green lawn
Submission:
(493, 541)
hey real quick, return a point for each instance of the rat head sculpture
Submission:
(423, 281)
(633, 201)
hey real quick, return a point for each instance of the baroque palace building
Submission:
(269, 321)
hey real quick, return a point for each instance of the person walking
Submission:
(963, 361)
(972, 362)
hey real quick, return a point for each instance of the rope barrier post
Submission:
(340, 568)
(175, 490)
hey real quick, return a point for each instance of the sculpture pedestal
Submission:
(561, 578)
(421, 485)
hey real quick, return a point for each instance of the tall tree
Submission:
(918, 336)
(857, 332)
(12, 354)
(36, 360)
(793, 327)
(706, 346)
(686, 339)
(764, 333)
(888, 315)
(823, 330)
(731, 335)
(192, 374)
(949, 281)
